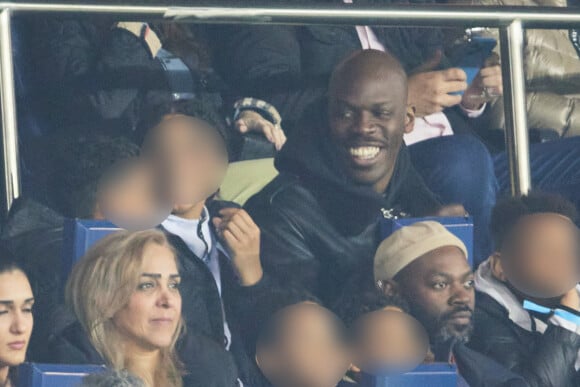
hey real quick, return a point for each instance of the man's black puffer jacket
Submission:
(544, 360)
(318, 226)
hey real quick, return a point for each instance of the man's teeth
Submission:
(365, 152)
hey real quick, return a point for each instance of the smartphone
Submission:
(471, 55)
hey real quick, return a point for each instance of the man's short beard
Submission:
(444, 332)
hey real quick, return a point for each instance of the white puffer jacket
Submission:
(552, 69)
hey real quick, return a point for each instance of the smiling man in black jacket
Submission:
(319, 217)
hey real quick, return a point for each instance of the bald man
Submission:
(347, 169)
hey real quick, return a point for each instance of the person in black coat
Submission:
(319, 217)
(100, 74)
(290, 66)
(217, 243)
(537, 261)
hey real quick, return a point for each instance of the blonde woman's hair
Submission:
(102, 283)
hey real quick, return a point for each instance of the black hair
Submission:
(352, 306)
(80, 163)
(270, 329)
(200, 108)
(360, 296)
(265, 329)
(8, 261)
(509, 211)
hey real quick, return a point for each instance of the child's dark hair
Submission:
(360, 296)
(80, 163)
(509, 211)
(351, 307)
(269, 327)
(200, 108)
(270, 304)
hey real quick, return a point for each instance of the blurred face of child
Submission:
(388, 342)
(192, 157)
(309, 349)
(541, 258)
(131, 196)
(15, 317)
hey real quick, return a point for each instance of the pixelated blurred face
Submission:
(367, 121)
(309, 352)
(541, 258)
(150, 319)
(389, 342)
(131, 196)
(16, 321)
(440, 288)
(192, 157)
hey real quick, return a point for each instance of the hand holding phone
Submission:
(471, 56)
(431, 92)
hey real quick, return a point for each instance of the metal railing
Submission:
(510, 20)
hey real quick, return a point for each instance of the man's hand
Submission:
(251, 121)
(571, 299)
(429, 92)
(485, 87)
(242, 237)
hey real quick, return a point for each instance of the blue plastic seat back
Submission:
(79, 236)
(431, 375)
(54, 375)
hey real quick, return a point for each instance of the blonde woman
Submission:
(125, 295)
(127, 314)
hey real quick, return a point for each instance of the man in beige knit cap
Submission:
(428, 265)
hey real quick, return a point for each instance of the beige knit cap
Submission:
(410, 243)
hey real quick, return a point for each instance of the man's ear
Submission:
(389, 287)
(409, 119)
(497, 267)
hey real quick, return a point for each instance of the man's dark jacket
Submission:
(318, 226)
(479, 370)
(544, 360)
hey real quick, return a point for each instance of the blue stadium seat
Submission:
(461, 227)
(79, 236)
(54, 375)
(431, 375)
